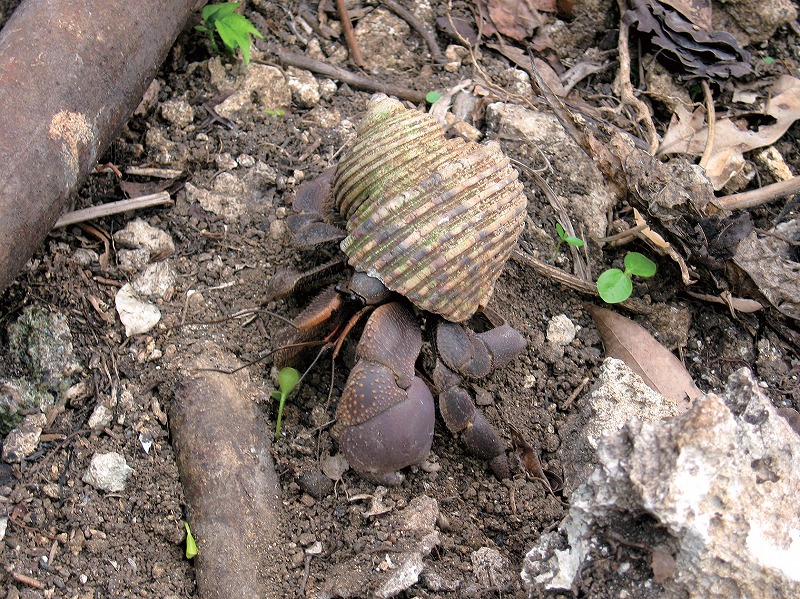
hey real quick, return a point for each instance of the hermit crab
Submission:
(426, 224)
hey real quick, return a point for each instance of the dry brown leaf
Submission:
(733, 136)
(696, 11)
(515, 18)
(659, 368)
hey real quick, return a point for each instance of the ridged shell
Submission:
(435, 219)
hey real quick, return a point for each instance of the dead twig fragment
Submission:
(624, 82)
(349, 36)
(763, 195)
(27, 580)
(415, 23)
(317, 66)
(80, 216)
(711, 118)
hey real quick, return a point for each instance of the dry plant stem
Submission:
(349, 36)
(563, 216)
(80, 216)
(317, 66)
(414, 22)
(764, 195)
(624, 82)
(712, 124)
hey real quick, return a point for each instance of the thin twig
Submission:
(349, 36)
(148, 201)
(763, 195)
(624, 81)
(414, 22)
(317, 66)
(711, 118)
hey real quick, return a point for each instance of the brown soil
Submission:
(79, 542)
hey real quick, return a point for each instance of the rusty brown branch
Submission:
(349, 36)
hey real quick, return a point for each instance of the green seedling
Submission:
(287, 380)
(563, 237)
(220, 21)
(615, 285)
(191, 546)
(275, 112)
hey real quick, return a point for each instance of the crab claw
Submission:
(386, 414)
(463, 352)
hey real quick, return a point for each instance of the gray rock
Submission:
(400, 569)
(108, 472)
(23, 440)
(561, 330)
(264, 83)
(305, 89)
(721, 479)
(177, 112)
(618, 395)
(18, 395)
(40, 345)
(139, 234)
(137, 315)
(491, 568)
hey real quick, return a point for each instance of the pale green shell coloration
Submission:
(434, 219)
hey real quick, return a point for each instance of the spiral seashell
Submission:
(434, 219)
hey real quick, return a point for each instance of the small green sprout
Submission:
(615, 285)
(232, 28)
(563, 237)
(275, 112)
(191, 546)
(431, 97)
(287, 380)
(768, 60)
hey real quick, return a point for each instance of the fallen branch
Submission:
(111, 208)
(763, 195)
(349, 36)
(82, 81)
(301, 61)
(222, 447)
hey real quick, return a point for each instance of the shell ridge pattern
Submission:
(434, 219)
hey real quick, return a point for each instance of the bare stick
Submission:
(414, 22)
(80, 216)
(349, 36)
(624, 81)
(323, 68)
(757, 197)
(712, 124)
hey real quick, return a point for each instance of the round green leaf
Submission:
(639, 265)
(431, 97)
(614, 286)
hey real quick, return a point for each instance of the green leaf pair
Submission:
(233, 29)
(615, 285)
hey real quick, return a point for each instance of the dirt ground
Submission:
(73, 540)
